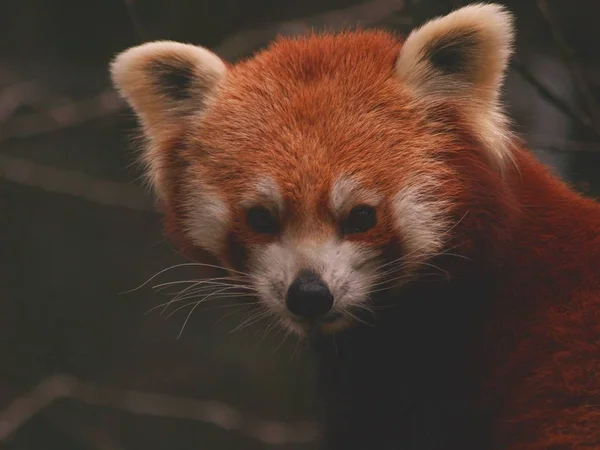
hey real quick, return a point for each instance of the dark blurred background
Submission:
(77, 228)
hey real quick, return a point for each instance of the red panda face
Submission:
(327, 168)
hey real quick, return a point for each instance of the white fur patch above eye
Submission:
(267, 193)
(347, 192)
(421, 219)
(207, 220)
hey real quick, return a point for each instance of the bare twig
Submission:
(66, 115)
(549, 96)
(73, 113)
(74, 183)
(217, 413)
(92, 436)
(25, 93)
(585, 93)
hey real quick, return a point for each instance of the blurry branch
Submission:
(62, 181)
(25, 93)
(65, 115)
(550, 97)
(71, 113)
(586, 96)
(91, 436)
(53, 388)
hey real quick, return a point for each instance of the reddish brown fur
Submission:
(546, 371)
(333, 105)
(291, 114)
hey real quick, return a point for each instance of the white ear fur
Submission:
(164, 82)
(464, 55)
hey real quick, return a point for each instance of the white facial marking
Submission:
(265, 192)
(420, 217)
(347, 192)
(207, 219)
(347, 268)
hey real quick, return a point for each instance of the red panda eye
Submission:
(360, 219)
(261, 220)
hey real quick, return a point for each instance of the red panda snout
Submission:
(314, 284)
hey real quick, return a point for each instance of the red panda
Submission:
(374, 196)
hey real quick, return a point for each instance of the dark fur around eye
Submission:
(261, 220)
(360, 219)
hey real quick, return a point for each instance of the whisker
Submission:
(251, 320)
(191, 295)
(194, 292)
(212, 295)
(169, 283)
(210, 285)
(194, 308)
(268, 328)
(366, 308)
(417, 263)
(389, 280)
(454, 254)
(345, 311)
(223, 295)
(179, 295)
(202, 282)
(458, 222)
(410, 277)
(298, 342)
(227, 292)
(186, 319)
(404, 257)
(184, 265)
(229, 314)
(288, 332)
(231, 306)
(445, 272)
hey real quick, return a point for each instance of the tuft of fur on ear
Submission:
(165, 82)
(464, 55)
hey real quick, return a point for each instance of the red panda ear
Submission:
(464, 56)
(464, 53)
(164, 82)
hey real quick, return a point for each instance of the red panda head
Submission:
(330, 167)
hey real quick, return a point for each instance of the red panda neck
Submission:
(556, 241)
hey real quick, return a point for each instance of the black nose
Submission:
(308, 296)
